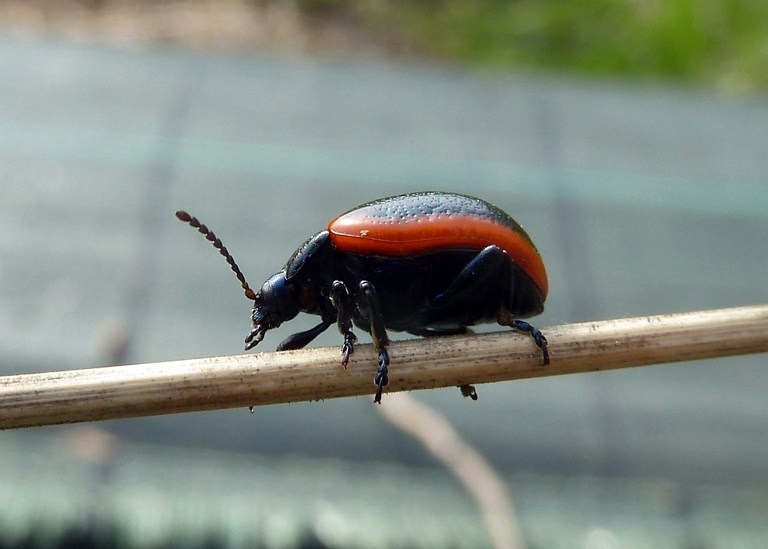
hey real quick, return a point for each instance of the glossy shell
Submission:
(421, 223)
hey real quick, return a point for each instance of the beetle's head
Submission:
(276, 302)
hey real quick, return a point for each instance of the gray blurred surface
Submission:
(641, 200)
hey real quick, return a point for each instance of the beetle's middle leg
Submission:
(379, 336)
(340, 300)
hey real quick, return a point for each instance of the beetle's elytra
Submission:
(426, 263)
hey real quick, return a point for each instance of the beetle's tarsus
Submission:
(382, 375)
(535, 333)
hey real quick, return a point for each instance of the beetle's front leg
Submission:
(341, 301)
(300, 340)
(379, 336)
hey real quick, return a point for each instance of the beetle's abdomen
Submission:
(420, 223)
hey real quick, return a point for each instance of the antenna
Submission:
(213, 239)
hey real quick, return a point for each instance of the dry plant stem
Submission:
(477, 476)
(314, 374)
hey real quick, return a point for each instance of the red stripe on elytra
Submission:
(404, 237)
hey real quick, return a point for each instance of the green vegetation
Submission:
(723, 43)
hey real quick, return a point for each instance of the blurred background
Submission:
(630, 138)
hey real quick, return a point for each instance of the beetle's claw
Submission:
(347, 348)
(541, 343)
(381, 381)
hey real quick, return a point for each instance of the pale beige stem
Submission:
(314, 374)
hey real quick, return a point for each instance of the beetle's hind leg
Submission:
(505, 319)
(341, 301)
(379, 336)
(485, 268)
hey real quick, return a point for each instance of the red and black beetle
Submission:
(426, 263)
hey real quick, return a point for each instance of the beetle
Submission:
(427, 263)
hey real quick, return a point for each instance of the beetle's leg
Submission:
(341, 301)
(480, 271)
(505, 319)
(484, 268)
(379, 336)
(297, 341)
